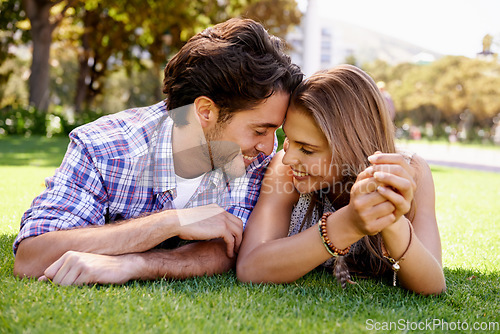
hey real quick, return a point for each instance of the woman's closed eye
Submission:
(303, 150)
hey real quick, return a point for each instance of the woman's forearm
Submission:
(282, 260)
(419, 271)
(287, 259)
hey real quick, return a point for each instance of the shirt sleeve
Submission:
(74, 197)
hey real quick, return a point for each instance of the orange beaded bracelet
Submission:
(334, 251)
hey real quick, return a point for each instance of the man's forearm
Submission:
(195, 259)
(35, 254)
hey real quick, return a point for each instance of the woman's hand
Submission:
(382, 193)
(395, 179)
(370, 211)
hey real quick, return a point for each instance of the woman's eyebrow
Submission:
(300, 142)
(306, 144)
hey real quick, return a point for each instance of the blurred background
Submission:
(64, 63)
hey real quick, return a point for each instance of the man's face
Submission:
(251, 130)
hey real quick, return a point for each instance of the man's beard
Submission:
(224, 154)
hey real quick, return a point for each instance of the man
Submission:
(166, 172)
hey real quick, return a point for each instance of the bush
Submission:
(20, 121)
(30, 121)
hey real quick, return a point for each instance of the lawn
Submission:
(468, 214)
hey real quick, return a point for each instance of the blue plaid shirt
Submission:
(121, 166)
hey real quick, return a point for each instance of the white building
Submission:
(319, 43)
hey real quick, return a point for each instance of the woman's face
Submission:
(307, 153)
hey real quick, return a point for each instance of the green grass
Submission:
(36, 151)
(25, 163)
(468, 213)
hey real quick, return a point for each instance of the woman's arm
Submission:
(266, 253)
(421, 270)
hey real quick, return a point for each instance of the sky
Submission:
(449, 27)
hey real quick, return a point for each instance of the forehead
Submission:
(270, 113)
(301, 127)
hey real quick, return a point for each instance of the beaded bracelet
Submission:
(334, 251)
(395, 263)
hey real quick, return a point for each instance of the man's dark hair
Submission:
(237, 64)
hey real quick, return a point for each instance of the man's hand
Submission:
(77, 268)
(211, 222)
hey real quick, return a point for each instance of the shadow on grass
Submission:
(33, 151)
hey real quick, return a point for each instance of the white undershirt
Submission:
(186, 189)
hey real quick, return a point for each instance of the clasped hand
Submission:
(382, 193)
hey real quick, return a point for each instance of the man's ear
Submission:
(206, 111)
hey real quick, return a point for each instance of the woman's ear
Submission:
(206, 111)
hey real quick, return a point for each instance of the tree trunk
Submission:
(87, 59)
(83, 74)
(41, 33)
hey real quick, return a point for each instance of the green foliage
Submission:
(11, 35)
(120, 33)
(103, 36)
(280, 134)
(20, 121)
(278, 16)
(15, 90)
(109, 56)
(351, 60)
(30, 121)
(455, 92)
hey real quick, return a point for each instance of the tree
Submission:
(128, 31)
(444, 91)
(278, 16)
(43, 22)
(123, 33)
(351, 60)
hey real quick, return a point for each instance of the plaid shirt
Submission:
(121, 166)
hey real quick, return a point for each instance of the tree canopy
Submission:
(444, 91)
(124, 33)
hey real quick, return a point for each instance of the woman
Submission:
(330, 197)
